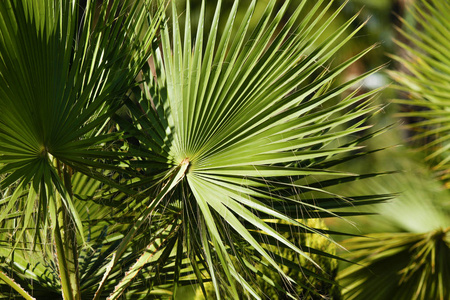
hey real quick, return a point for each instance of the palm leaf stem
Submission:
(66, 242)
(16, 286)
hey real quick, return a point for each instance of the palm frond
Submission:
(64, 69)
(254, 116)
(64, 72)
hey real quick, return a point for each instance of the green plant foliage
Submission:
(425, 81)
(316, 288)
(61, 81)
(412, 260)
(64, 68)
(313, 287)
(128, 180)
(105, 226)
(406, 243)
(255, 122)
(399, 266)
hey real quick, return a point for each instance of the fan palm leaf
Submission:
(64, 68)
(235, 129)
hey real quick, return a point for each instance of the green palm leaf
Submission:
(56, 99)
(64, 69)
(253, 116)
